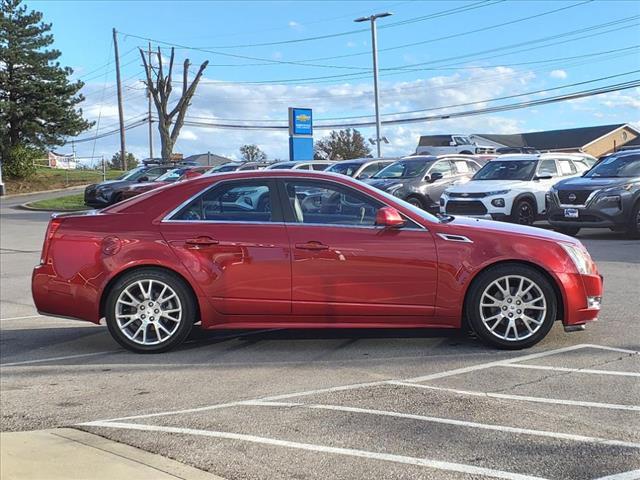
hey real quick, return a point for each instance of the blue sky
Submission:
(429, 57)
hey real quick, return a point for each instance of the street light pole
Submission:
(374, 47)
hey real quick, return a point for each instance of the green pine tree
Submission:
(38, 102)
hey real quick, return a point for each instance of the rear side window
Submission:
(231, 202)
(581, 166)
(319, 166)
(567, 167)
(444, 167)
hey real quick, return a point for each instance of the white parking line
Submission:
(54, 359)
(387, 457)
(573, 370)
(21, 318)
(630, 475)
(498, 363)
(459, 423)
(354, 386)
(505, 396)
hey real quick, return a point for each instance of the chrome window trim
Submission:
(167, 218)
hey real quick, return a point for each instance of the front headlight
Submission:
(580, 257)
(497, 192)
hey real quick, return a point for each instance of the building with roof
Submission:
(597, 141)
(206, 159)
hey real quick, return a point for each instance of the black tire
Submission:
(415, 201)
(523, 212)
(474, 314)
(118, 197)
(571, 231)
(183, 294)
(633, 230)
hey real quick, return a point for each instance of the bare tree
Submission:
(161, 91)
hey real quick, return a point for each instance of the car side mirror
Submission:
(389, 217)
(434, 177)
(143, 179)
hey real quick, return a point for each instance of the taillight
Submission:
(54, 225)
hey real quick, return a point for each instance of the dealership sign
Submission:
(300, 134)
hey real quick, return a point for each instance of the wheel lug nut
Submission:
(141, 307)
(511, 315)
(509, 300)
(504, 308)
(156, 311)
(151, 304)
(518, 302)
(143, 316)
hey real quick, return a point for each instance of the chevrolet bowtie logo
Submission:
(303, 117)
(465, 194)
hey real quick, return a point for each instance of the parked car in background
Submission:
(420, 180)
(175, 175)
(512, 187)
(238, 166)
(447, 144)
(107, 193)
(607, 196)
(479, 159)
(360, 168)
(157, 264)
(301, 165)
(505, 150)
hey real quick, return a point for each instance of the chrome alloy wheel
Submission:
(148, 312)
(513, 308)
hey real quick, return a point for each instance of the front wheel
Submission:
(149, 311)
(416, 202)
(523, 212)
(511, 306)
(634, 222)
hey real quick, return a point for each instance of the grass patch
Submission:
(59, 204)
(52, 179)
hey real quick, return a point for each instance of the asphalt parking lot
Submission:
(336, 404)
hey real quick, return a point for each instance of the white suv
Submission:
(513, 187)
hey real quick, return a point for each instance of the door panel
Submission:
(362, 271)
(244, 267)
(344, 265)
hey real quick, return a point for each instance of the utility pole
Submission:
(149, 97)
(123, 150)
(374, 47)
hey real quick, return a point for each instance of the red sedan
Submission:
(293, 249)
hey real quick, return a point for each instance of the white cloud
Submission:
(560, 74)
(188, 135)
(294, 25)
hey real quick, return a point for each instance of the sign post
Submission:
(300, 134)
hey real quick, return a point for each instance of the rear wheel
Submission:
(511, 306)
(523, 212)
(634, 222)
(568, 230)
(149, 311)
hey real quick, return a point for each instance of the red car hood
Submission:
(512, 228)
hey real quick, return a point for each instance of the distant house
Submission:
(596, 141)
(207, 159)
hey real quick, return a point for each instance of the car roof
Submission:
(367, 160)
(419, 157)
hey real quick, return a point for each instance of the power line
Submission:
(500, 108)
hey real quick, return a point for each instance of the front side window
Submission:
(231, 202)
(171, 175)
(323, 203)
(443, 167)
(319, 166)
(370, 170)
(344, 168)
(547, 168)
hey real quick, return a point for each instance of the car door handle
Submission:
(200, 242)
(312, 246)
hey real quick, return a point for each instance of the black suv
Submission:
(103, 194)
(420, 179)
(606, 196)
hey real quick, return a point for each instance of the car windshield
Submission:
(282, 166)
(507, 170)
(405, 169)
(616, 167)
(227, 167)
(132, 174)
(171, 175)
(344, 168)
